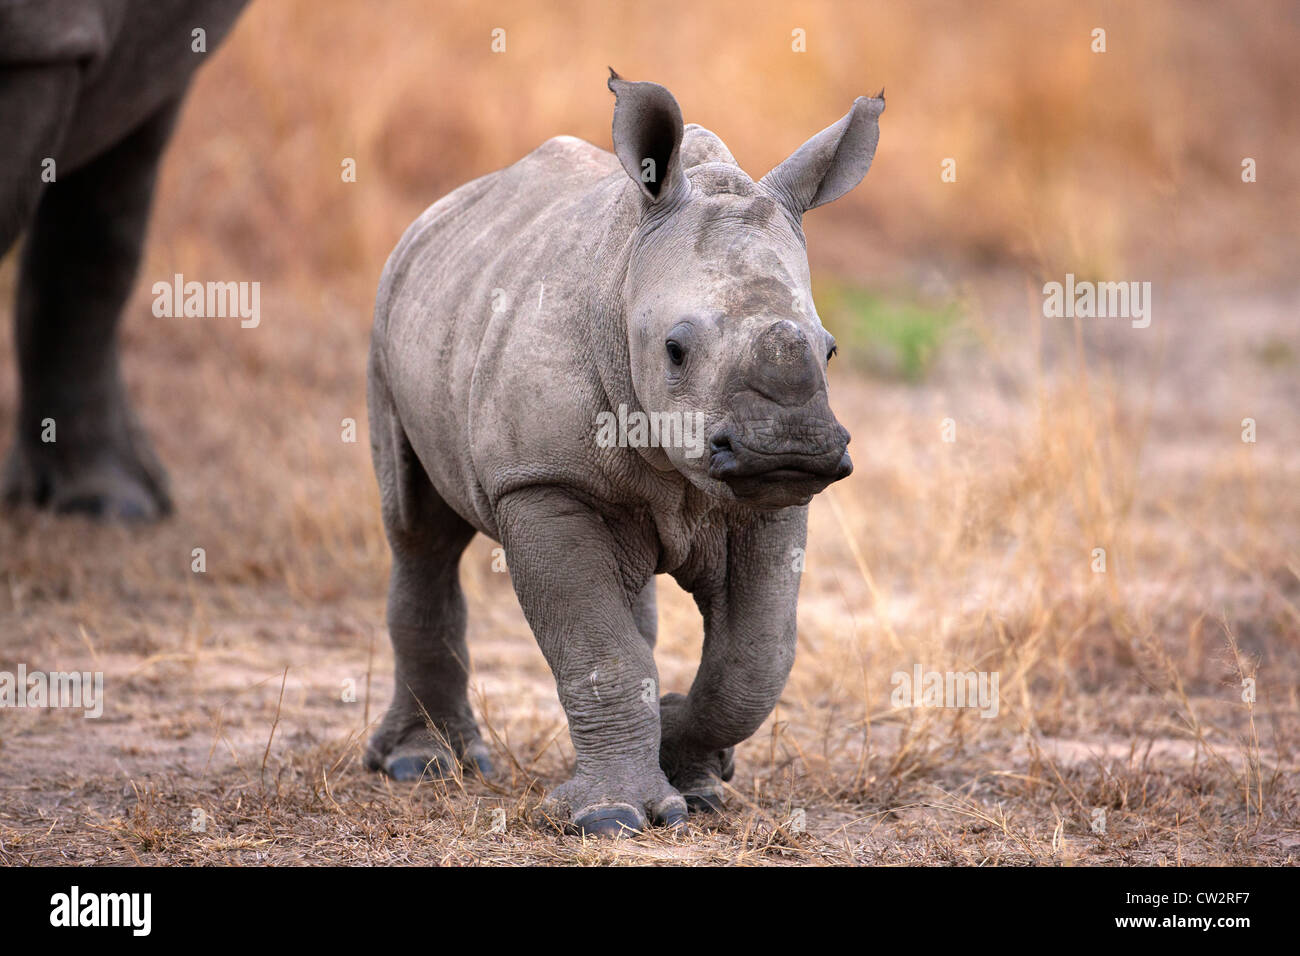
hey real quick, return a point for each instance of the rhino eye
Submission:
(675, 353)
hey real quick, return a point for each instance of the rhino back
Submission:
(489, 318)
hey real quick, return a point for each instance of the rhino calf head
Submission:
(658, 279)
(719, 310)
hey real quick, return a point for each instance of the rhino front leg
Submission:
(578, 585)
(77, 269)
(749, 644)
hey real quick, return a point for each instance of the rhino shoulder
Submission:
(573, 154)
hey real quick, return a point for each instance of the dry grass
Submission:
(1118, 691)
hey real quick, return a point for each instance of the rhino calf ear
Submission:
(648, 136)
(832, 162)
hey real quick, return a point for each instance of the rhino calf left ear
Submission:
(648, 136)
(832, 162)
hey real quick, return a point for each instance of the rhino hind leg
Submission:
(429, 729)
(79, 447)
(36, 106)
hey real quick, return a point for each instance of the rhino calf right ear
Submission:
(648, 136)
(832, 162)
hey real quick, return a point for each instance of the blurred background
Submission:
(1121, 687)
(1065, 158)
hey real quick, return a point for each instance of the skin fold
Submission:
(661, 279)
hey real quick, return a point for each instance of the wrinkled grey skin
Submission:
(484, 420)
(94, 85)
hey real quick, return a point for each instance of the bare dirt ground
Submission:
(226, 737)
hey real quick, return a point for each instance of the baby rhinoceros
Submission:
(612, 365)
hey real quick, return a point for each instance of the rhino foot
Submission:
(113, 484)
(585, 807)
(700, 780)
(425, 754)
(698, 775)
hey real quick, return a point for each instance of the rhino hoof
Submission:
(616, 820)
(129, 493)
(415, 768)
(480, 763)
(127, 510)
(704, 802)
(674, 819)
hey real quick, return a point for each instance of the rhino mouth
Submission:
(779, 473)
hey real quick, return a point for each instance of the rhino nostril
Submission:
(719, 442)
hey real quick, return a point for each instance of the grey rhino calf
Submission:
(515, 316)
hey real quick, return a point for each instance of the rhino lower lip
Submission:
(779, 487)
(726, 467)
(786, 474)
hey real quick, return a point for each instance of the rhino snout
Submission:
(779, 443)
(767, 460)
(783, 366)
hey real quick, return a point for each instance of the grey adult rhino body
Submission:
(516, 318)
(94, 86)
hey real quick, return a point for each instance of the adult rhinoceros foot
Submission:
(115, 481)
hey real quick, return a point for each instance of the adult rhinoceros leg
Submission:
(577, 584)
(429, 726)
(749, 604)
(77, 269)
(36, 105)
